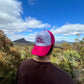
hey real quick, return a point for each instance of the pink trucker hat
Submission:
(43, 43)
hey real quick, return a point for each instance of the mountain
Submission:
(62, 41)
(21, 41)
(24, 41)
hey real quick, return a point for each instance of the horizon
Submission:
(34, 41)
(25, 18)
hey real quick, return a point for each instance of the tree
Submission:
(71, 55)
(67, 46)
(71, 59)
(5, 43)
(81, 52)
(76, 46)
(82, 42)
(78, 35)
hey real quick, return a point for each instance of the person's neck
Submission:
(43, 59)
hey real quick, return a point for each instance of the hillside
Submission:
(62, 41)
(22, 42)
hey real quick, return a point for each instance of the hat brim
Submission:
(40, 50)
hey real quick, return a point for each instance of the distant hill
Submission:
(62, 41)
(21, 41)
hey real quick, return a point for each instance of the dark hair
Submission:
(51, 49)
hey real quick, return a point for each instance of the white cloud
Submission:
(69, 29)
(68, 39)
(32, 2)
(30, 37)
(11, 21)
(72, 33)
(29, 30)
(10, 11)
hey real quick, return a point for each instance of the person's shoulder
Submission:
(60, 71)
(57, 69)
(25, 63)
(62, 74)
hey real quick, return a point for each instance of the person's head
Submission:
(44, 43)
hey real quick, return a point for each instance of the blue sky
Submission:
(25, 18)
(55, 12)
